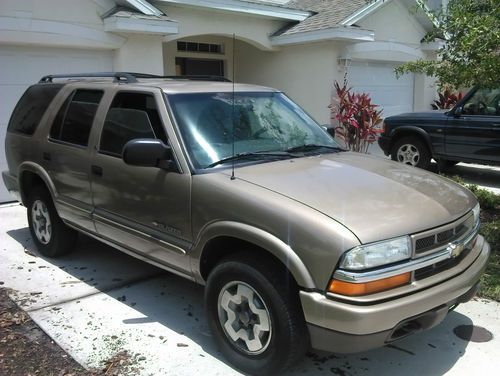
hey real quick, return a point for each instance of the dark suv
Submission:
(470, 132)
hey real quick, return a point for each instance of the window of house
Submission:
(130, 116)
(74, 120)
(211, 48)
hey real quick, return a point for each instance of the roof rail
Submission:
(130, 77)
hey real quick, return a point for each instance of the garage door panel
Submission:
(392, 95)
(24, 66)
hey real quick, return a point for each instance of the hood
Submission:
(375, 198)
(436, 114)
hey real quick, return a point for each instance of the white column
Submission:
(140, 53)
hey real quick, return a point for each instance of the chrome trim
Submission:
(410, 266)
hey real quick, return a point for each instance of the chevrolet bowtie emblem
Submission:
(455, 249)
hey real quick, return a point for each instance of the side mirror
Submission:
(458, 111)
(328, 129)
(147, 152)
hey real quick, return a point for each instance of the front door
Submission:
(144, 209)
(475, 134)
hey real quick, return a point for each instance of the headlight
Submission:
(377, 254)
(475, 212)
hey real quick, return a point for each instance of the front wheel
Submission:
(255, 316)
(411, 151)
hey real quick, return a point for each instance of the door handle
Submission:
(46, 156)
(96, 170)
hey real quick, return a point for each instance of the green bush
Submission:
(491, 232)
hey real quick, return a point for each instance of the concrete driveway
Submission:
(98, 301)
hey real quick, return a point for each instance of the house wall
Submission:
(304, 72)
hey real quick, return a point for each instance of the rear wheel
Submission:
(255, 316)
(411, 151)
(50, 235)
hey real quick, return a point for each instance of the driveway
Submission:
(98, 301)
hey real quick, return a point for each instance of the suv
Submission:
(235, 187)
(470, 132)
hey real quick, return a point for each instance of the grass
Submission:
(490, 229)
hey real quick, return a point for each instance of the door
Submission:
(144, 209)
(475, 134)
(66, 155)
(23, 66)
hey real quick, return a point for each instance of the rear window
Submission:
(74, 119)
(31, 107)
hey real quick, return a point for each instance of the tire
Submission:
(411, 151)
(276, 299)
(50, 235)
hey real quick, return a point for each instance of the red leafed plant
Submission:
(447, 99)
(358, 118)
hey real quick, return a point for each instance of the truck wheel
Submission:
(255, 316)
(51, 236)
(411, 151)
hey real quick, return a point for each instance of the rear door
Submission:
(66, 155)
(144, 209)
(475, 134)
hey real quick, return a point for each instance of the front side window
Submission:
(131, 116)
(74, 120)
(485, 102)
(262, 122)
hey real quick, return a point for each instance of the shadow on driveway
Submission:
(177, 304)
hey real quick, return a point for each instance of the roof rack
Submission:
(130, 77)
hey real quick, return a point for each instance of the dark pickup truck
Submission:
(470, 132)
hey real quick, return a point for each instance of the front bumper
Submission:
(385, 144)
(344, 327)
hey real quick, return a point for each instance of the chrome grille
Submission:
(430, 241)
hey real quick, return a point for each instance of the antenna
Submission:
(232, 117)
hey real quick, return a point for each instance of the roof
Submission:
(327, 14)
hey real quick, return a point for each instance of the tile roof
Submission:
(328, 14)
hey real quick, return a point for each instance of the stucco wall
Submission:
(305, 72)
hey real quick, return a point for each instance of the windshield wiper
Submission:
(309, 147)
(249, 155)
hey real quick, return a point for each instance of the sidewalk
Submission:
(98, 302)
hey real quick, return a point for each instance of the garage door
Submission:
(23, 66)
(393, 95)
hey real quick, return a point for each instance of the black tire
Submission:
(62, 239)
(415, 146)
(288, 338)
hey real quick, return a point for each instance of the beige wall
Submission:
(140, 53)
(304, 72)
(393, 22)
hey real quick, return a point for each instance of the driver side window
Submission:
(484, 102)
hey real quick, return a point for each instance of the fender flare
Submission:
(253, 235)
(40, 172)
(409, 129)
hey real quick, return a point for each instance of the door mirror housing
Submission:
(328, 129)
(458, 111)
(148, 152)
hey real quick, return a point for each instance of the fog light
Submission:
(356, 289)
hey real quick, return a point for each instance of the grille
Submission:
(439, 267)
(430, 240)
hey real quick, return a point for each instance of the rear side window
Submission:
(31, 107)
(131, 115)
(74, 120)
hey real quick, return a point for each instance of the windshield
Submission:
(263, 122)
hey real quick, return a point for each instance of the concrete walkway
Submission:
(98, 302)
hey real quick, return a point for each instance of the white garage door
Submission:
(393, 95)
(23, 66)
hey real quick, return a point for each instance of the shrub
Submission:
(446, 100)
(358, 117)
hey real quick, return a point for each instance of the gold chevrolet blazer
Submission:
(299, 243)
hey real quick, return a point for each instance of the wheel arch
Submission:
(415, 131)
(31, 174)
(223, 238)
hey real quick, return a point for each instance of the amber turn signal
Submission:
(356, 289)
